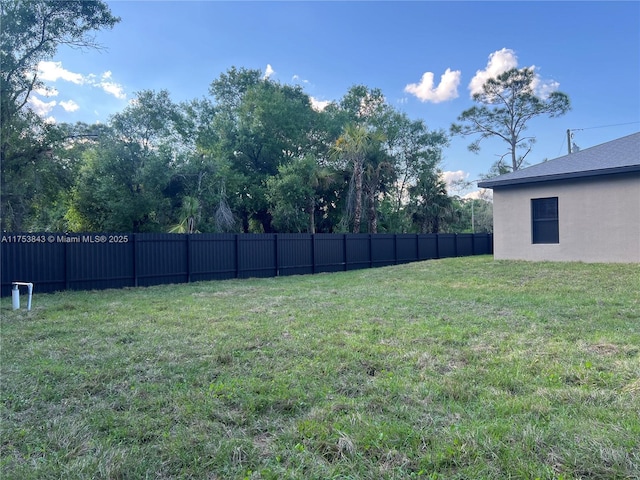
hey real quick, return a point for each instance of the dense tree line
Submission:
(253, 155)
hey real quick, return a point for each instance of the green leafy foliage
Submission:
(255, 156)
(506, 105)
(32, 177)
(122, 181)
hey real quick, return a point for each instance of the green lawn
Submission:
(461, 368)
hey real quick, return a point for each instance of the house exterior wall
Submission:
(598, 220)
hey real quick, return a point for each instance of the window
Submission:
(544, 220)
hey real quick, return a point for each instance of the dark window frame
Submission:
(544, 220)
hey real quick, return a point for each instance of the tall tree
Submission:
(363, 105)
(120, 188)
(296, 192)
(28, 169)
(122, 183)
(55, 177)
(353, 146)
(202, 167)
(32, 31)
(379, 178)
(412, 149)
(262, 125)
(507, 103)
(430, 205)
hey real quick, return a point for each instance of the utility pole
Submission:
(569, 141)
(473, 217)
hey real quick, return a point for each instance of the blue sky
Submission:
(422, 55)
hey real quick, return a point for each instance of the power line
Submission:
(571, 130)
(604, 126)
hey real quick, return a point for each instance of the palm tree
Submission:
(431, 206)
(319, 179)
(375, 175)
(190, 207)
(353, 146)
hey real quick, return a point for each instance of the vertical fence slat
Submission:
(134, 249)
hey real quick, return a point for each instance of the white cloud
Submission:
(53, 71)
(458, 183)
(451, 178)
(446, 90)
(296, 78)
(482, 194)
(108, 86)
(69, 106)
(499, 62)
(543, 88)
(46, 91)
(268, 71)
(112, 88)
(39, 107)
(319, 105)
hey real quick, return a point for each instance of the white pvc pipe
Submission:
(30, 287)
(15, 297)
(15, 294)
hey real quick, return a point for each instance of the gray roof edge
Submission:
(562, 176)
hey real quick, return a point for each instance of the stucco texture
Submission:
(598, 220)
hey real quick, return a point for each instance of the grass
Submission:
(448, 369)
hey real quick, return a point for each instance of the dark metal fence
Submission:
(58, 261)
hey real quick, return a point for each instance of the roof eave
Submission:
(561, 176)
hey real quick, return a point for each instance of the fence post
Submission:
(134, 245)
(276, 242)
(66, 266)
(188, 255)
(395, 248)
(313, 253)
(344, 250)
(237, 255)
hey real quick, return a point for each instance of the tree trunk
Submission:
(514, 158)
(357, 211)
(312, 215)
(435, 224)
(424, 226)
(373, 214)
(265, 219)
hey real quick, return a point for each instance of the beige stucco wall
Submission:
(598, 220)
